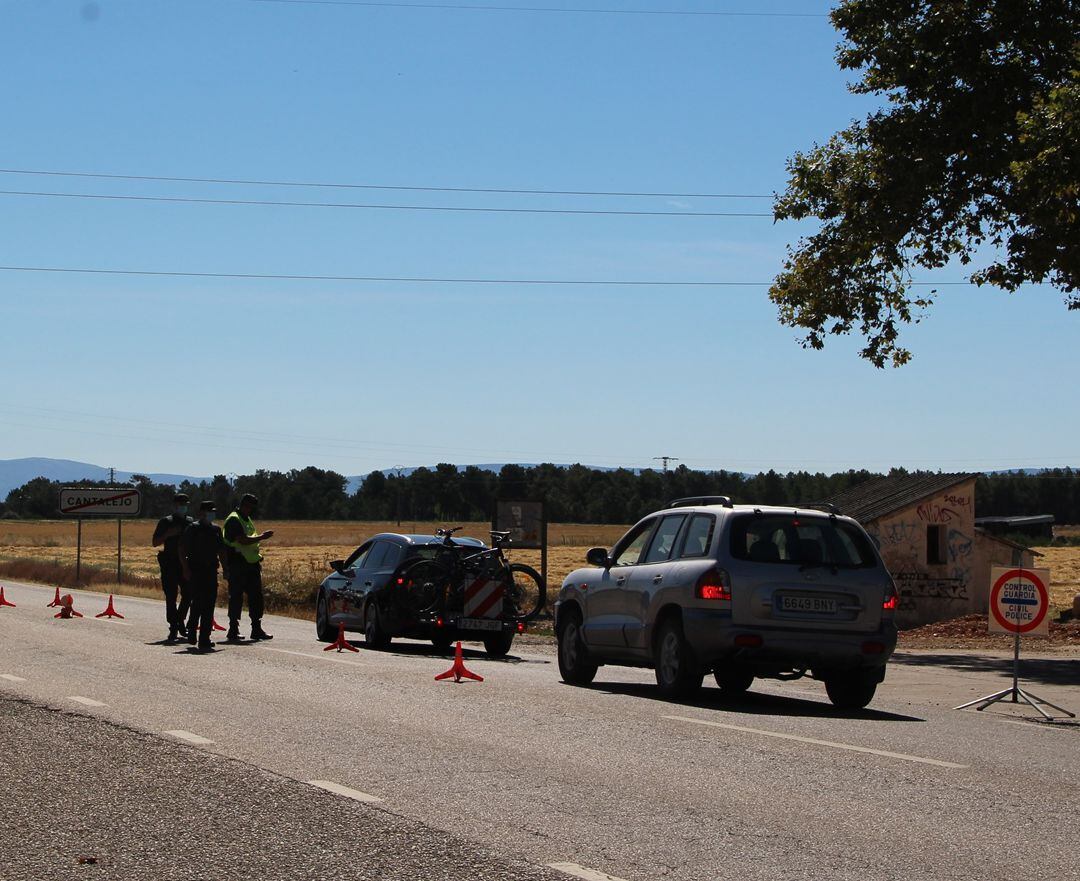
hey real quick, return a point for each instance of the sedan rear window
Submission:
(806, 541)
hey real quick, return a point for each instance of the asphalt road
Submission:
(505, 777)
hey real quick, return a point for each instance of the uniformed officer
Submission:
(201, 549)
(167, 537)
(245, 569)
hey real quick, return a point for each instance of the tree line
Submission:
(574, 494)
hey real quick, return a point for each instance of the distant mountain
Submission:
(16, 472)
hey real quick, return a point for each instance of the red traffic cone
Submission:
(4, 601)
(56, 600)
(110, 611)
(214, 625)
(66, 610)
(458, 671)
(341, 643)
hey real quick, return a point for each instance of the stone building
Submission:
(925, 528)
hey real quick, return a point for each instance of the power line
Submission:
(344, 186)
(456, 208)
(429, 279)
(475, 7)
(389, 278)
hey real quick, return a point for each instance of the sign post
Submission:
(527, 524)
(110, 501)
(1019, 603)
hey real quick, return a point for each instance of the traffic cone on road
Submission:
(458, 671)
(4, 601)
(214, 625)
(110, 611)
(56, 600)
(341, 643)
(66, 608)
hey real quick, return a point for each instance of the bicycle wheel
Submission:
(526, 593)
(425, 583)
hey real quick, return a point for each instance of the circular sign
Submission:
(1019, 601)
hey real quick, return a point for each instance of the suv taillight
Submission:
(714, 585)
(892, 600)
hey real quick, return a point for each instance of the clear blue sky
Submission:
(364, 375)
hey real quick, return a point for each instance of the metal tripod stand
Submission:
(1016, 692)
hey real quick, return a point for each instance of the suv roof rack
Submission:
(823, 506)
(701, 500)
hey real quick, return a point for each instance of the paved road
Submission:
(611, 778)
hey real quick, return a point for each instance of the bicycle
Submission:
(438, 584)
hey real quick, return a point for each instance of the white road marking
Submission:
(1043, 726)
(315, 657)
(85, 701)
(338, 789)
(811, 740)
(109, 621)
(11, 678)
(189, 737)
(581, 872)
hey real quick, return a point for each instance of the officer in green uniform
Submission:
(245, 569)
(167, 536)
(201, 549)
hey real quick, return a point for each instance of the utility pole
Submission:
(397, 469)
(665, 460)
(112, 476)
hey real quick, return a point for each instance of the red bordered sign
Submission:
(1019, 601)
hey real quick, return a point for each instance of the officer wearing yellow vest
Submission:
(245, 569)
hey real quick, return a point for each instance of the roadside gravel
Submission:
(87, 799)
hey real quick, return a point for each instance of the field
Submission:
(295, 558)
(297, 555)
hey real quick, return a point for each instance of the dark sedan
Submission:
(366, 593)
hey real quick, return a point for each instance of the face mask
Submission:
(181, 509)
(209, 516)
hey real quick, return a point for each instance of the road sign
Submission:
(108, 501)
(524, 520)
(1019, 601)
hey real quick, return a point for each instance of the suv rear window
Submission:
(778, 538)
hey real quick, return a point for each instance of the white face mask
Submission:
(209, 516)
(181, 509)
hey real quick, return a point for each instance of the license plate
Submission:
(818, 605)
(480, 624)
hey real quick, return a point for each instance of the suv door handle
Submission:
(368, 583)
(621, 580)
(657, 579)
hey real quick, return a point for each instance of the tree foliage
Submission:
(973, 158)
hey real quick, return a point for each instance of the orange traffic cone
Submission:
(341, 643)
(66, 610)
(214, 625)
(110, 611)
(4, 601)
(458, 671)
(56, 600)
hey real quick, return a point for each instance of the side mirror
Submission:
(598, 557)
(337, 565)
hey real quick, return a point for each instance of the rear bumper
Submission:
(716, 639)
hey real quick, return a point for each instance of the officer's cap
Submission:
(207, 506)
(181, 497)
(249, 499)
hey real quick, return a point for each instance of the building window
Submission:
(937, 551)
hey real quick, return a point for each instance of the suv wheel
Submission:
(375, 637)
(733, 680)
(677, 670)
(323, 630)
(575, 665)
(851, 691)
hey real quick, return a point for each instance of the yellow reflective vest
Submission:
(250, 552)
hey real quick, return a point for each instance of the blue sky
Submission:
(223, 375)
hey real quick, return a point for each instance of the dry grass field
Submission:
(296, 557)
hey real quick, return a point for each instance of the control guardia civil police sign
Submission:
(1019, 601)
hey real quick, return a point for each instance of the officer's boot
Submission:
(234, 632)
(173, 630)
(257, 632)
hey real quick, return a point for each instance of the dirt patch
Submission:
(969, 632)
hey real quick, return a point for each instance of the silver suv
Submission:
(736, 590)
